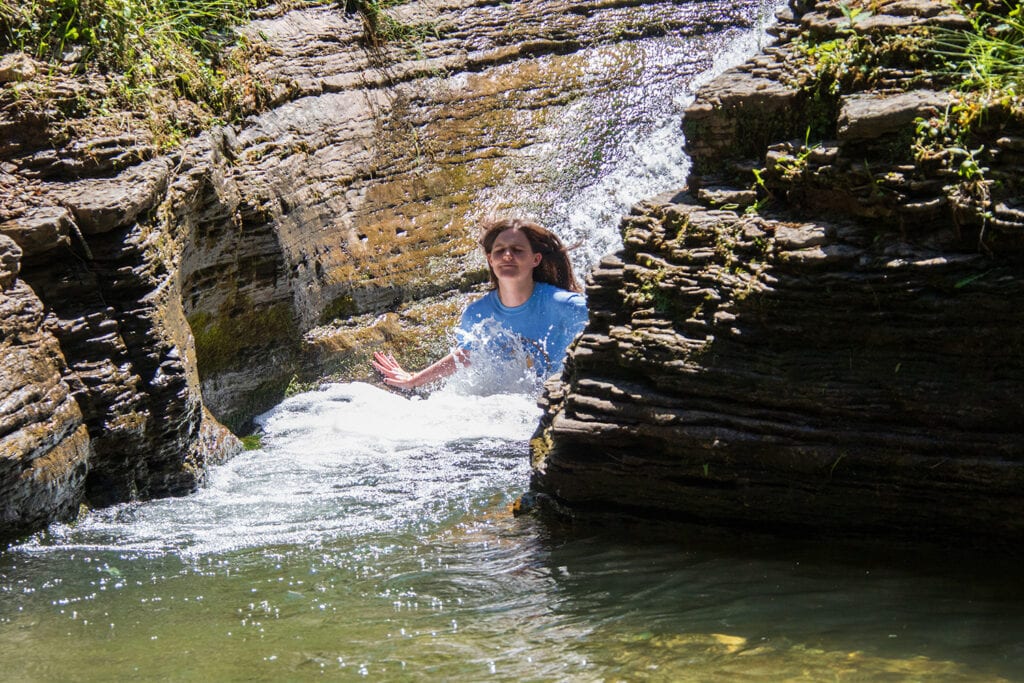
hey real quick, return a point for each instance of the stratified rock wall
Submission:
(44, 444)
(117, 340)
(167, 288)
(844, 360)
(796, 377)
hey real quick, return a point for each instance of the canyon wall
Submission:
(822, 335)
(157, 290)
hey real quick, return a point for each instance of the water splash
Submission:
(346, 460)
(501, 363)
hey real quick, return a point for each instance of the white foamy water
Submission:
(345, 460)
(623, 142)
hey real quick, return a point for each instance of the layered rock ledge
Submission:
(842, 360)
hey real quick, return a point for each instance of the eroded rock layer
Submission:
(844, 359)
(804, 377)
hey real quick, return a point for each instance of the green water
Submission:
(372, 539)
(492, 598)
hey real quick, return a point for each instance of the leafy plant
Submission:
(298, 386)
(764, 193)
(853, 16)
(852, 58)
(792, 166)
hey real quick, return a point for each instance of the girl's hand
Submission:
(392, 372)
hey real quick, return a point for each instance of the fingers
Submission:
(391, 372)
(402, 380)
(387, 361)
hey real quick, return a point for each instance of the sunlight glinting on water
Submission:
(370, 536)
(351, 459)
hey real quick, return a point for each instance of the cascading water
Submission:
(370, 536)
(623, 143)
(342, 461)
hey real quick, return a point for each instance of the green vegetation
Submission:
(981, 64)
(764, 193)
(380, 27)
(792, 166)
(178, 65)
(138, 37)
(343, 307)
(148, 49)
(652, 292)
(853, 59)
(252, 442)
(298, 386)
(985, 63)
(990, 56)
(224, 341)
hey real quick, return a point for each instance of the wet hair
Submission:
(554, 268)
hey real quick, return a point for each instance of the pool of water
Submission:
(371, 537)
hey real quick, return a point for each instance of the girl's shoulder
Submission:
(561, 296)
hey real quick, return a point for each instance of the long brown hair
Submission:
(554, 268)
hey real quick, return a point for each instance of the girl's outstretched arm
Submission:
(394, 375)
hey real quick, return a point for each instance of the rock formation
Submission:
(156, 291)
(841, 360)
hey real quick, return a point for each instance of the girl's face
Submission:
(511, 256)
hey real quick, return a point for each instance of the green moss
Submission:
(259, 400)
(341, 308)
(223, 342)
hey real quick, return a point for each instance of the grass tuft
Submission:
(379, 27)
(149, 52)
(176, 44)
(989, 57)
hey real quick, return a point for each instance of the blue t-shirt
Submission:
(543, 326)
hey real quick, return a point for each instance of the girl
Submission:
(535, 298)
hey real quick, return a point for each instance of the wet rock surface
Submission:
(843, 362)
(44, 445)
